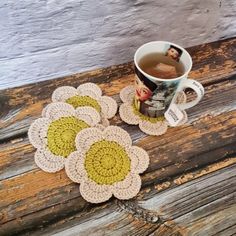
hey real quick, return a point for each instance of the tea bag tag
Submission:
(174, 115)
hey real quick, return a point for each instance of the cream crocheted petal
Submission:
(109, 106)
(86, 137)
(114, 133)
(44, 112)
(128, 188)
(157, 128)
(95, 193)
(127, 94)
(57, 110)
(127, 115)
(88, 114)
(89, 89)
(104, 121)
(47, 161)
(63, 93)
(38, 132)
(139, 159)
(74, 166)
(100, 127)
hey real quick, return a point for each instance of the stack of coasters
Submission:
(72, 133)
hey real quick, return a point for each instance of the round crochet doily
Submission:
(88, 94)
(152, 126)
(105, 164)
(54, 134)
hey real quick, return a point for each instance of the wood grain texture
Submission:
(20, 106)
(182, 210)
(219, 98)
(166, 162)
(32, 201)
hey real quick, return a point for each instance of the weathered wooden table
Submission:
(188, 189)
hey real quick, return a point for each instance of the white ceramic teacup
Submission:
(161, 93)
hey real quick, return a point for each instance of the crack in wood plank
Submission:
(133, 208)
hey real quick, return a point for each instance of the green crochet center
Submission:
(81, 101)
(61, 135)
(107, 162)
(147, 118)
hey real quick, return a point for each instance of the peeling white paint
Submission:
(46, 39)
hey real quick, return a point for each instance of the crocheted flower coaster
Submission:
(105, 164)
(130, 115)
(87, 94)
(54, 134)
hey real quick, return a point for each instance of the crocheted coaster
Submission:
(105, 164)
(54, 134)
(130, 115)
(87, 94)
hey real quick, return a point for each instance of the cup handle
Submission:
(197, 87)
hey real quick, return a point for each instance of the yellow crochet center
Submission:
(147, 118)
(61, 135)
(81, 101)
(107, 162)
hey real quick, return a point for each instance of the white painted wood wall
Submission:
(45, 39)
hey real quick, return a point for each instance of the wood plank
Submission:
(200, 207)
(219, 98)
(48, 196)
(20, 106)
(212, 62)
(178, 200)
(17, 159)
(203, 206)
(31, 198)
(227, 231)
